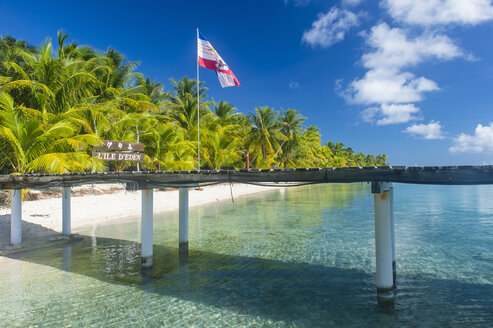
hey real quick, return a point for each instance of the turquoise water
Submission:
(303, 257)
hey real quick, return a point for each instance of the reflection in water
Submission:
(94, 241)
(303, 257)
(386, 303)
(66, 258)
(282, 194)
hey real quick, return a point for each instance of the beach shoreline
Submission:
(100, 204)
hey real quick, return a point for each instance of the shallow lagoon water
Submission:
(300, 257)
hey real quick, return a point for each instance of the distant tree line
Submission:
(55, 104)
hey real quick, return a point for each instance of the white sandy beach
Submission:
(42, 219)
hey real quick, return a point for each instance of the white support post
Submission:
(147, 237)
(66, 226)
(16, 217)
(183, 218)
(391, 194)
(383, 238)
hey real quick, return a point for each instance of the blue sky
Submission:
(409, 78)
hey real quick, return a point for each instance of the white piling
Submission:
(16, 217)
(392, 231)
(183, 220)
(147, 236)
(383, 239)
(66, 226)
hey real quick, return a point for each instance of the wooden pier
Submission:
(442, 175)
(381, 179)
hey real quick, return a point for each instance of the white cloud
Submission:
(388, 86)
(432, 130)
(390, 114)
(481, 141)
(439, 12)
(294, 85)
(391, 51)
(330, 28)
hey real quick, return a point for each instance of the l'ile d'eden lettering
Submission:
(114, 156)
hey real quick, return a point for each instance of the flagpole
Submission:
(198, 105)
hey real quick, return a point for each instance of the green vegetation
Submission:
(55, 104)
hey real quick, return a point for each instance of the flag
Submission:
(209, 58)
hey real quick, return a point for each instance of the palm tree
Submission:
(121, 69)
(360, 159)
(292, 128)
(154, 90)
(94, 118)
(223, 115)
(371, 160)
(184, 112)
(181, 106)
(49, 84)
(186, 86)
(381, 160)
(11, 51)
(292, 123)
(66, 51)
(168, 149)
(337, 148)
(265, 134)
(29, 144)
(221, 148)
(338, 161)
(137, 125)
(310, 152)
(224, 111)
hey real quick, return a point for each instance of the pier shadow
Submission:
(32, 234)
(298, 293)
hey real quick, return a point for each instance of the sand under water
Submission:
(97, 204)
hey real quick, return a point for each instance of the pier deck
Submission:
(443, 175)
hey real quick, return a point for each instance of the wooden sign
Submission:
(119, 145)
(119, 156)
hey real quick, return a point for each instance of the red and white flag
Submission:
(209, 58)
